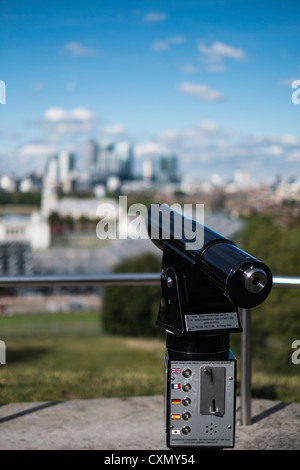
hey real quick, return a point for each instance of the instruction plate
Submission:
(212, 321)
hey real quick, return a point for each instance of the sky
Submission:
(207, 80)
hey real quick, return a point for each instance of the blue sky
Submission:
(209, 80)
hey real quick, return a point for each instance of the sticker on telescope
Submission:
(176, 386)
(175, 416)
(176, 401)
(175, 431)
(212, 321)
(176, 370)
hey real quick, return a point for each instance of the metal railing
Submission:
(154, 279)
(246, 340)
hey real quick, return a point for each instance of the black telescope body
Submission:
(210, 271)
(205, 278)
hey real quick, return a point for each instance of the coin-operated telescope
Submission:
(205, 278)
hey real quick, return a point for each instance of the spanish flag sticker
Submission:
(175, 416)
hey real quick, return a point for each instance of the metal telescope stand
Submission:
(201, 290)
(200, 392)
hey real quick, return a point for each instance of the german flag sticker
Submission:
(176, 401)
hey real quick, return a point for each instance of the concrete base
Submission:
(131, 424)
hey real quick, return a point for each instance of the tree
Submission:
(132, 310)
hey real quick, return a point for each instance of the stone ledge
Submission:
(135, 423)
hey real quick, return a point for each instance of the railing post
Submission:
(245, 368)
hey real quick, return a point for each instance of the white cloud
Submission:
(275, 139)
(162, 45)
(214, 55)
(294, 155)
(75, 49)
(154, 17)
(37, 150)
(192, 138)
(207, 148)
(114, 129)
(219, 50)
(60, 121)
(176, 40)
(189, 69)
(201, 91)
(37, 86)
(150, 149)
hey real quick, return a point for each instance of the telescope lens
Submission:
(255, 280)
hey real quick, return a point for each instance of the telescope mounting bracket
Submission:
(190, 303)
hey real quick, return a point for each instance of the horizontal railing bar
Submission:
(113, 279)
(286, 281)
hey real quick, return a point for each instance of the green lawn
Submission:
(58, 357)
(66, 356)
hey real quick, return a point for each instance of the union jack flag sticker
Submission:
(176, 370)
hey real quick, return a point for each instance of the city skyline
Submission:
(210, 82)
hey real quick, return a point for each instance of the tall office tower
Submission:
(66, 161)
(91, 154)
(168, 169)
(66, 167)
(108, 159)
(51, 170)
(148, 170)
(108, 163)
(124, 154)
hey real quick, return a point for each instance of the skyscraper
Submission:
(124, 153)
(91, 151)
(108, 159)
(168, 169)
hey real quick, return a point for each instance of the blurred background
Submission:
(178, 102)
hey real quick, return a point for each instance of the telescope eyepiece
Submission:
(255, 279)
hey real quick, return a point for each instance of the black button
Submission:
(186, 430)
(186, 401)
(186, 387)
(187, 373)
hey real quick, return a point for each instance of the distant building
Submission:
(105, 160)
(30, 182)
(91, 150)
(60, 170)
(124, 153)
(15, 258)
(148, 169)
(33, 230)
(51, 170)
(7, 182)
(66, 168)
(74, 207)
(168, 169)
